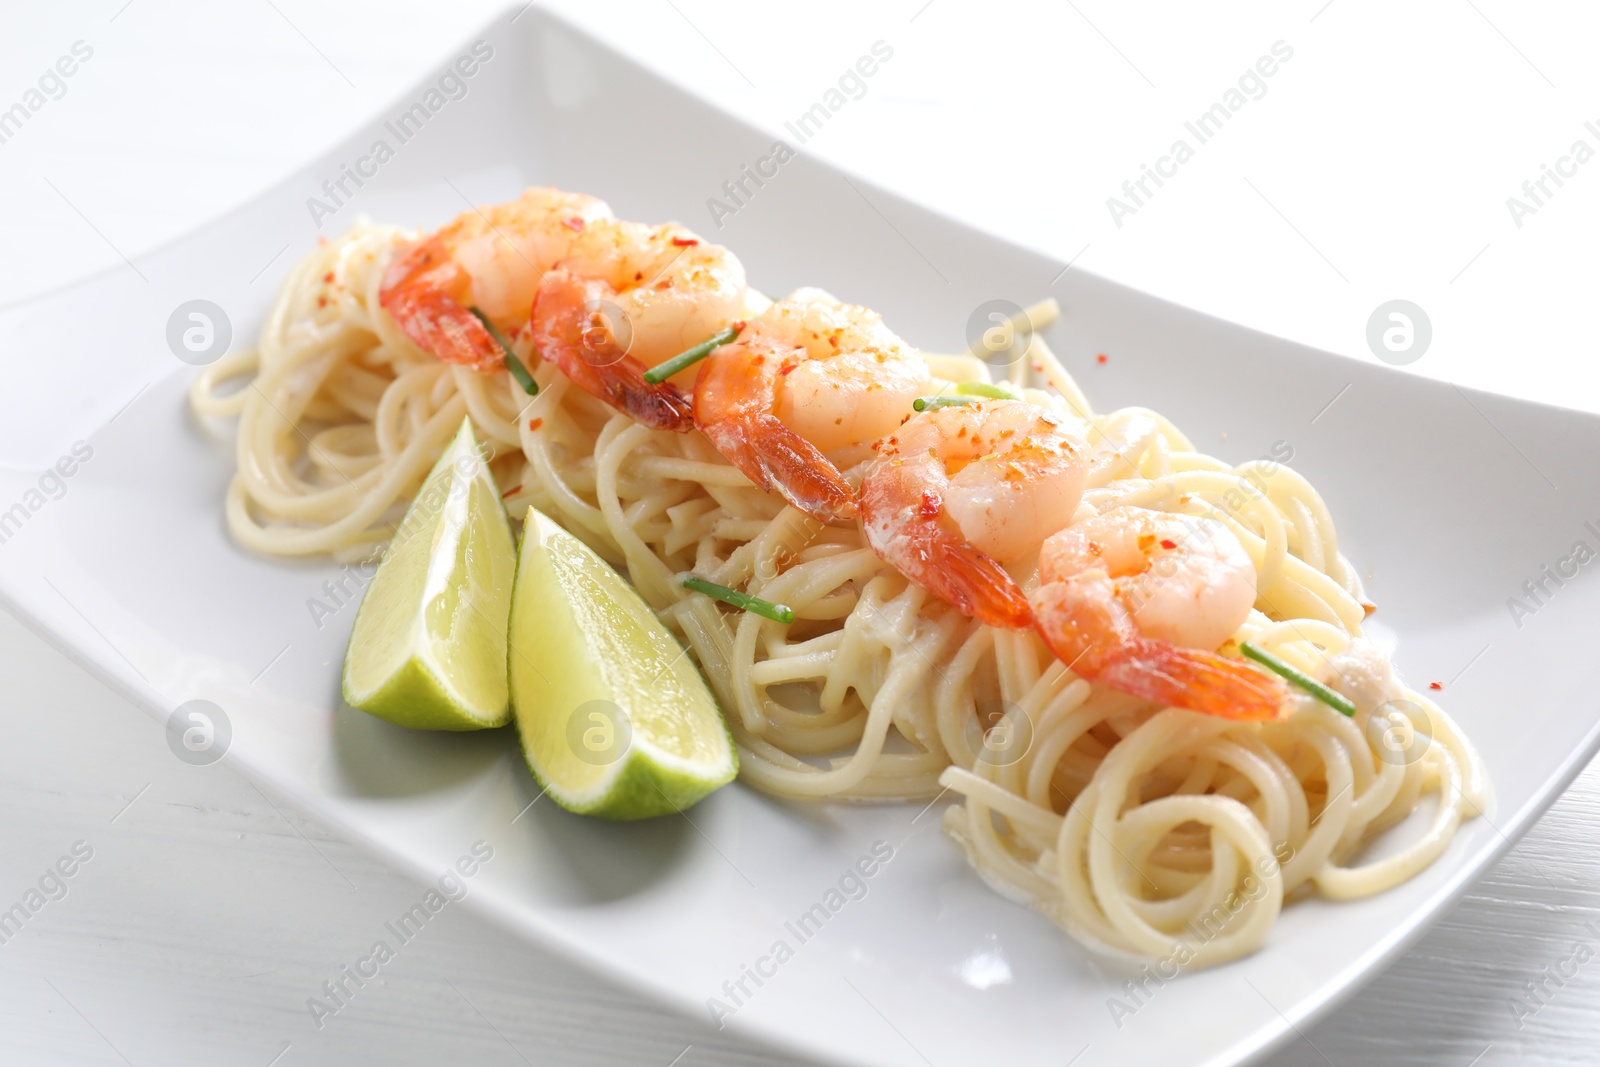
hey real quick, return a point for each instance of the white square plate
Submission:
(1448, 501)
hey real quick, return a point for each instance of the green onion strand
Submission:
(929, 403)
(1337, 701)
(744, 601)
(513, 364)
(992, 390)
(666, 369)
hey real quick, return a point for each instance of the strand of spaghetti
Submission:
(1313, 848)
(574, 510)
(1474, 783)
(974, 830)
(205, 394)
(480, 391)
(621, 436)
(1343, 883)
(1040, 819)
(412, 465)
(903, 675)
(1058, 378)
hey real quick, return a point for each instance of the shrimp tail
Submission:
(775, 457)
(1195, 679)
(418, 293)
(661, 407)
(569, 332)
(937, 558)
(978, 585)
(1095, 636)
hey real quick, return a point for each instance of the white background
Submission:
(1376, 166)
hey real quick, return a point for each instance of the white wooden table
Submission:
(207, 913)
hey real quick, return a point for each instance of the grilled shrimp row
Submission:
(958, 498)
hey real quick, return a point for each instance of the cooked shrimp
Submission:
(627, 297)
(491, 259)
(1141, 600)
(805, 378)
(959, 492)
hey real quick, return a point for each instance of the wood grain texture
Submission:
(208, 914)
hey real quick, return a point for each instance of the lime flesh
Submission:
(428, 646)
(614, 717)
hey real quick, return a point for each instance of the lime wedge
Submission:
(428, 648)
(615, 719)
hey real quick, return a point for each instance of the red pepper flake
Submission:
(1168, 545)
(534, 424)
(1367, 607)
(1101, 358)
(575, 224)
(685, 242)
(1435, 685)
(1038, 367)
(931, 503)
(322, 301)
(327, 279)
(513, 491)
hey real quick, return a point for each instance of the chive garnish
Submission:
(513, 364)
(664, 370)
(744, 601)
(928, 403)
(992, 390)
(1337, 701)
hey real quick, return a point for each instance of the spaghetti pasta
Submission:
(1137, 828)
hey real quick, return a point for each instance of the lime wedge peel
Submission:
(615, 719)
(428, 646)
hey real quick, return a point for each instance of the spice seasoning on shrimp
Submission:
(1147, 622)
(997, 502)
(654, 286)
(804, 379)
(429, 292)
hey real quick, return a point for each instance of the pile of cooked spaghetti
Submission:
(1138, 827)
